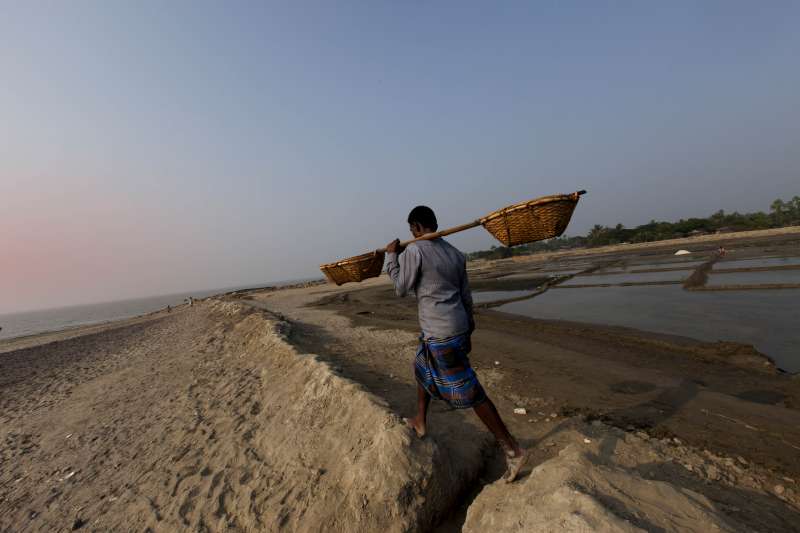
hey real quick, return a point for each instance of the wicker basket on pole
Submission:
(522, 223)
(356, 268)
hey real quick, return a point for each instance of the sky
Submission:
(156, 147)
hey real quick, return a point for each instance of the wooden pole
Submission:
(437, 234)
(455, 229)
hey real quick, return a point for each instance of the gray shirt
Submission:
(436, 272)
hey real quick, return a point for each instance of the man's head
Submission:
(421, 220)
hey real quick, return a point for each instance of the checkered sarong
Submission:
(442, 367)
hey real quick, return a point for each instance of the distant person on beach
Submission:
(169, 309)
(436, 273)
(722, 251)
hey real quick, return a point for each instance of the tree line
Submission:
(781, 214)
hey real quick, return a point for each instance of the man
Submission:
(436, 273)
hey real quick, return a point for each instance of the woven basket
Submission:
(356, 268)
(531, 221)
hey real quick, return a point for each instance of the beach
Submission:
(203, 418)
(281, 410)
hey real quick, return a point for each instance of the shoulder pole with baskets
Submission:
(522, 223)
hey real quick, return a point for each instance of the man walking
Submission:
(436, 273)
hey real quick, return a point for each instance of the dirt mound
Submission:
(326, 455)
(580, 490)
(605, 479)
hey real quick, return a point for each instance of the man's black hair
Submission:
(423, 215)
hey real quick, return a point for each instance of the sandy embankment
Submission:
(206, 418)
(209, 419)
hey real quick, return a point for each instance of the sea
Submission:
(33, 322)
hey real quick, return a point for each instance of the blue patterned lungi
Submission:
(442, 368)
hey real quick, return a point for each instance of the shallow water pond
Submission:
(754, 278)
(690, 265)
(758, 262)
(535, 274)
(480, 297)
(626, 277)
(766, 319)
(554, 273)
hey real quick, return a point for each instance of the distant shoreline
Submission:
(722, 238)
(101, 323)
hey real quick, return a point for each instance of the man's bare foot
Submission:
(418, 428)
(514, 462)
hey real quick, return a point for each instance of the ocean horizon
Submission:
(27, 323)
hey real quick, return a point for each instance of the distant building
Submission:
(726, 229)
(696, 233)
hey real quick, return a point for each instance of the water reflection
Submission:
(677, 275)
(766, 319)
(754, 278)
(758, 262)
(496, 296)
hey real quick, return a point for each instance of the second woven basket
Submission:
(531, 221)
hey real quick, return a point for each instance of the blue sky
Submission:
(151, 147)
